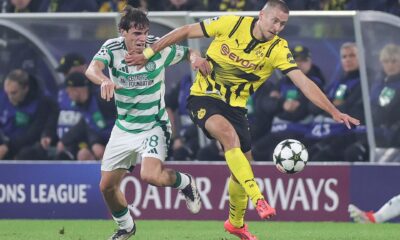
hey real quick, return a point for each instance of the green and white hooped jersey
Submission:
(140, 100)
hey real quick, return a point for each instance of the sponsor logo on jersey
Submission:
(226, 51)
(139, 80)
(201, 113)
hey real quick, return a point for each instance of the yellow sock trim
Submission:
(241, 169)
(237, 203)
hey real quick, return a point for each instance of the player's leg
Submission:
(238, 201)
(389, 210)
(154, 172)
(115, 199)
(209, 114)
(119, 157)
(222, 130)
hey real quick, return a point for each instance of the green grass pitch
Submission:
(201, 230)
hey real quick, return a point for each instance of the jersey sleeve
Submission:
(218, 26)
(177, 53)
(283, 58)
(104, 55)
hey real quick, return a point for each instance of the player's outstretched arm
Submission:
(96, 75)
(177, 35)
(315, 95)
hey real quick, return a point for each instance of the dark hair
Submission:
(277, 3)
(19, 76)
(133, 17)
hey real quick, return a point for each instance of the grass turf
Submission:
(201, 230)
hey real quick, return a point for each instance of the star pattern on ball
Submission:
(279, 159)
(287, 143)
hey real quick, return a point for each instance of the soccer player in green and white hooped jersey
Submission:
(142, 125)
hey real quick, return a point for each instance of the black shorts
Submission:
(201, 108)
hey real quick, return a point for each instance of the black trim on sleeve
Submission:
(272, 47)
(204, 30)
(286, 71)
(236, 26)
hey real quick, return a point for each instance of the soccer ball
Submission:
(290, 156)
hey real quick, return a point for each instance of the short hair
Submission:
(349, 45)
(19, 76)
(133, 17)
(277, 3)
(390, 52)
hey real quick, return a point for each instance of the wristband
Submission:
(148, 52)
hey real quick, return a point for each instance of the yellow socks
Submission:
(237, 203)
(241, 169)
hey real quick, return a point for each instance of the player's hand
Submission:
(135, 59)
(200, 64)
(346, 119)
(107, 89)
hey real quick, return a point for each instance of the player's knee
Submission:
(107, 188)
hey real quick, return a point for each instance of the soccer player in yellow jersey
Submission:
(243, 54)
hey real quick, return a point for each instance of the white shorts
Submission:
(123, 147)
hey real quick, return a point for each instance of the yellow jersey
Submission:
(240, 63)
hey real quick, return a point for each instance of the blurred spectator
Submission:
(72, 62)
(87, 138)
(184, 5)
(26, 115)
(385, 101)
(345, 94)
(325, 4)
(232, 5)
(68, 6)
(119, 5)
(185, 139)
(289, 107)
(21, 6)
(211, 152)
(69, 115)
(389, 6)
(385, 98)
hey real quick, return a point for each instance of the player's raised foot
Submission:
(360, 216)
(192, 196)
(122, 234)
(242, 233)
(264, 210)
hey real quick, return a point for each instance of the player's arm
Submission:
(96, 75)
(177, 35)
(315, 95)
(95, 72)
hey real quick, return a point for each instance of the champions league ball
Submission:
(290, 156)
